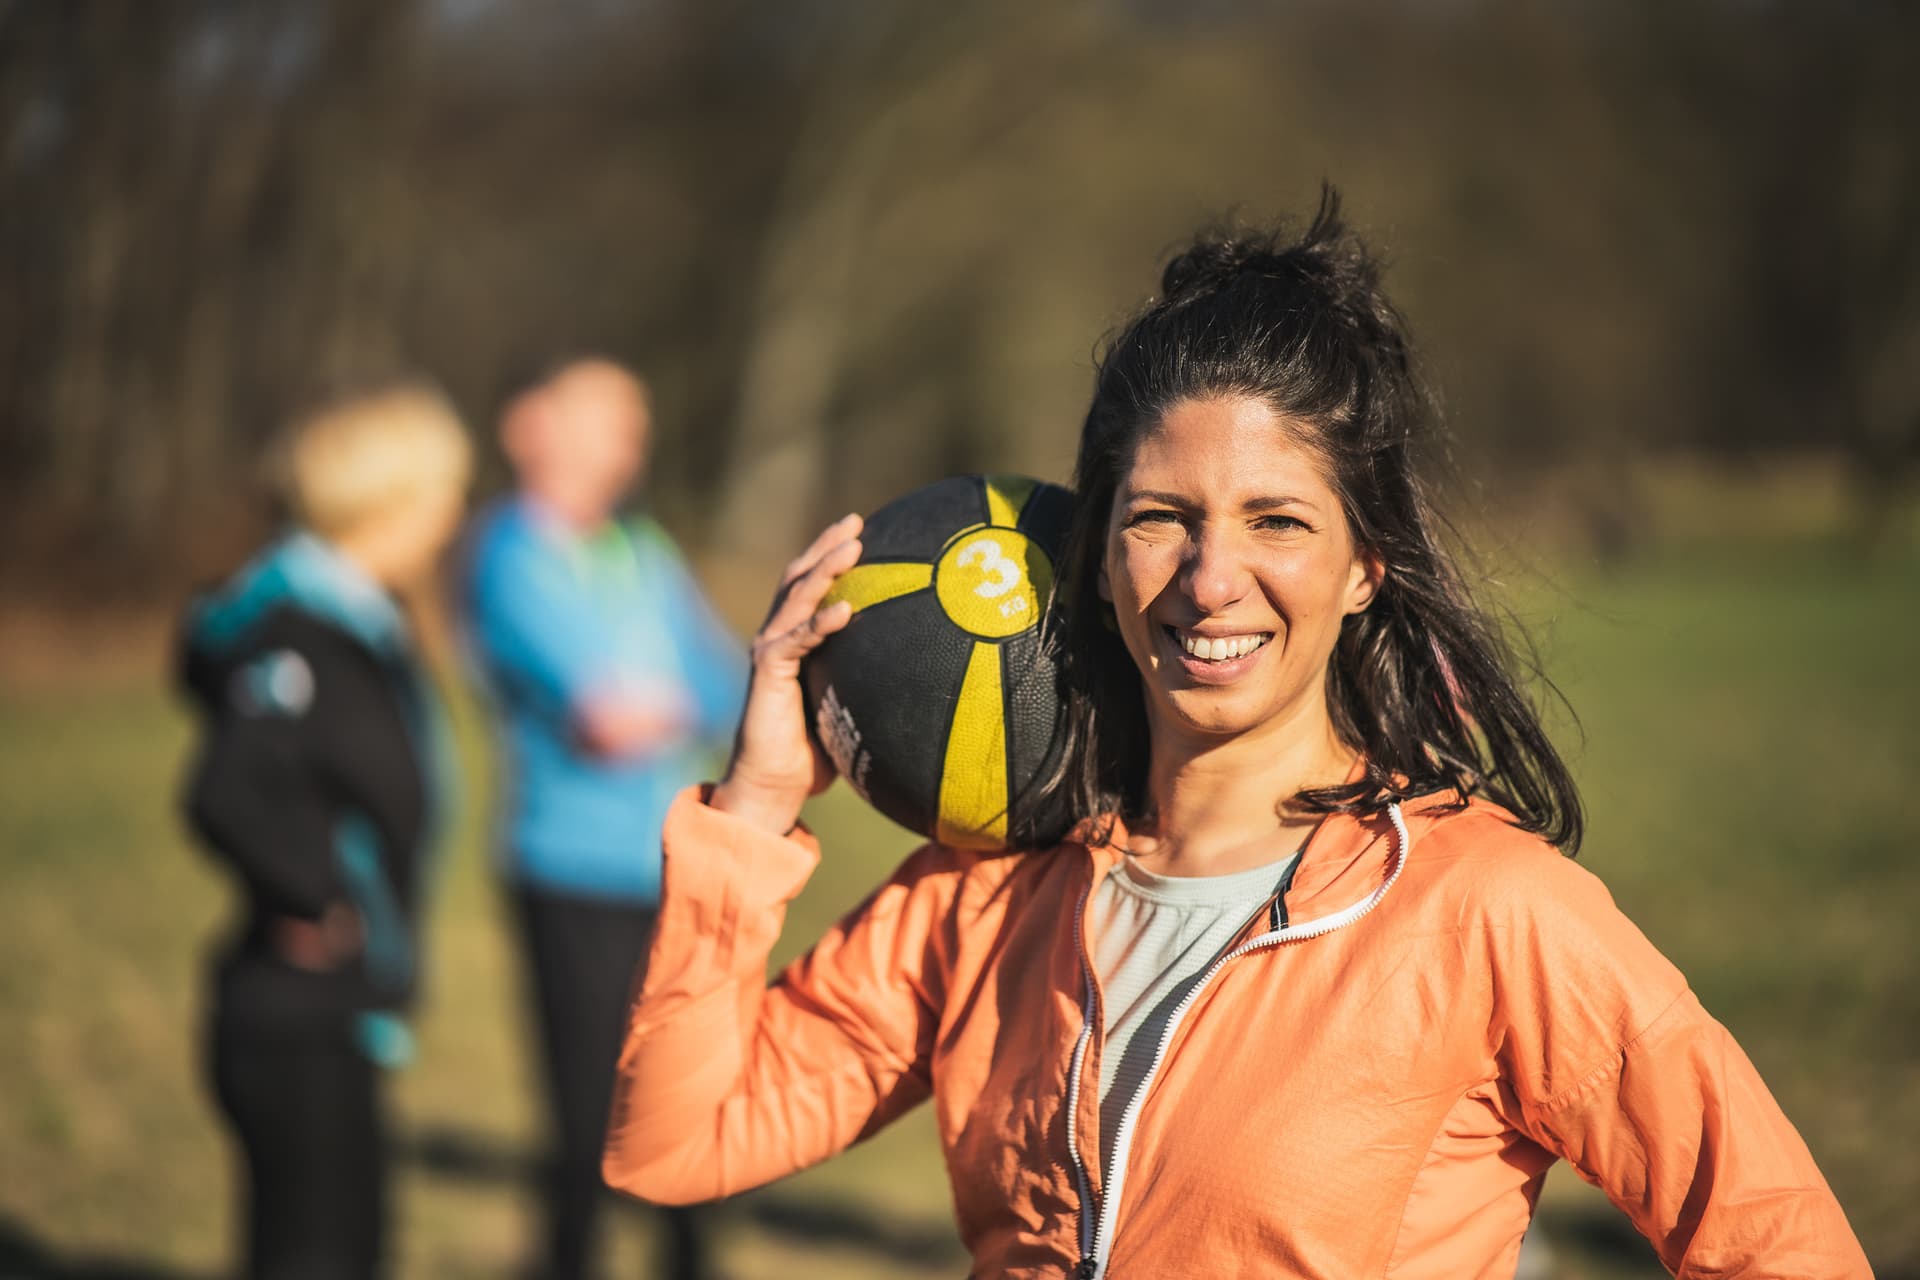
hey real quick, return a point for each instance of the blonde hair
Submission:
(365, 454)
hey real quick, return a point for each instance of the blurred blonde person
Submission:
(610, 675)
(312, 783)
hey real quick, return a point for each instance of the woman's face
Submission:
(1230, 566)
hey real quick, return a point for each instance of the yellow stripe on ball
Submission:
(1007, 498)
(973, 777)
(866, 585)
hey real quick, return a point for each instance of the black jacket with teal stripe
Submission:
(313, 785)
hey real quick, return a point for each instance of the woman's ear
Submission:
(1103, 585)
(1363, 582)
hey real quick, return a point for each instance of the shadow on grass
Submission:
(25, 1257)
(814, 1220)
(460, 1155)
(463, 1156)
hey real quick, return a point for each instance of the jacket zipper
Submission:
(1093, 1265)
(1088, 1012)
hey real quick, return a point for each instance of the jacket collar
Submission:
(1347, 857)
(308, 573)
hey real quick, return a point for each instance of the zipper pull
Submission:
(1087, 1269)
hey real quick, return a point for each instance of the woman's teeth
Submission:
(1220, 648)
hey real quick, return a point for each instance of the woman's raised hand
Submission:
(775, 764)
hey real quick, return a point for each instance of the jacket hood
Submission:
(298, 571)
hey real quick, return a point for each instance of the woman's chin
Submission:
(1212, 713)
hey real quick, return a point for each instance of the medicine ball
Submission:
(937, 702)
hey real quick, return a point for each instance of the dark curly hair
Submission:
(1422, 684)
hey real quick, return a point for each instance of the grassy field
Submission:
(1750, 734)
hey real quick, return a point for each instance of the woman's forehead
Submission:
(1227, 451)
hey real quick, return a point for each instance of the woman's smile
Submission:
(1216, 657)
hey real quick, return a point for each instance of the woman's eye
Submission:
(1152, 517)
(1285, 524)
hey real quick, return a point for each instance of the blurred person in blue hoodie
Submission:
(612, 680)
(314, 783)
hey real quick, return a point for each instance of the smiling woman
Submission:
(1259, 424)
(1308, 991)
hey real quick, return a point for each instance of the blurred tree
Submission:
(899, 105)
(855, 246)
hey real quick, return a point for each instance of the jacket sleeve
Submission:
(1618, 1069)
(725, 1082)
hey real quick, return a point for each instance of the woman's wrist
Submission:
(771, 813)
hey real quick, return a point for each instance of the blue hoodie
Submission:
(554, 619)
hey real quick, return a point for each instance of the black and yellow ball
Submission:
(937, 701)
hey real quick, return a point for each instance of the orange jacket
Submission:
(1375, 1089)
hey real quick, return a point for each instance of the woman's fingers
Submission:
(801, 597)
(783, 651)
(847, 526)
(775, 764)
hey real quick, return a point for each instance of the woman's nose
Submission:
(1215, 575)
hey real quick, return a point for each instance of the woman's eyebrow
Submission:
(1258, 504)
(1275, 503)
(1155, 495)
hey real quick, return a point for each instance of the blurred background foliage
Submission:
(858, 244)
(1662, 257)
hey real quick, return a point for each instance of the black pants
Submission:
(307, 1113)
(583, 957)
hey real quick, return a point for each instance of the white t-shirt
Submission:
(1153, 937)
